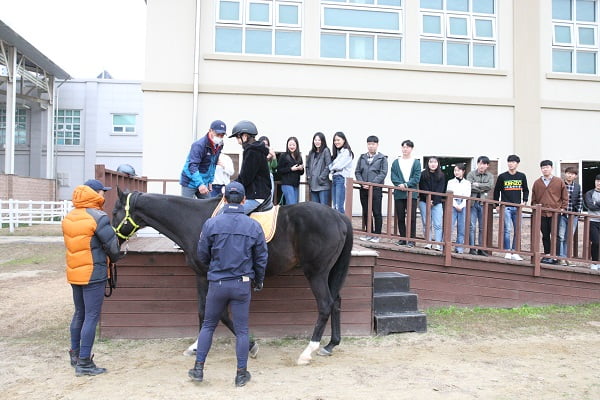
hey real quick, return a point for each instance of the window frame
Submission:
(72, 131)
(124, 126)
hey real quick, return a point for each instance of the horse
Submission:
(308, 235)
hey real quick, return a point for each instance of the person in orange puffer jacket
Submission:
(91, 244)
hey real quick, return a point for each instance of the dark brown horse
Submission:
(310, 235)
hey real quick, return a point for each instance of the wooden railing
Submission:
(527, 242)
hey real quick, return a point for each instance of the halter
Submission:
(126, 220)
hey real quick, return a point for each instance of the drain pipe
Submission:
(196, 68)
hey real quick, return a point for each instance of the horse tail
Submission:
(339, 271)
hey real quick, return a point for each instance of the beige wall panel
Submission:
(570, 135)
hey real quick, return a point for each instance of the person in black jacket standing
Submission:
(290, 168)
(233, 246)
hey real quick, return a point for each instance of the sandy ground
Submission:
(36, 307)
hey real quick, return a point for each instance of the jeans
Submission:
(376, 203)
(88, 301)
(338, 192)
(290, 193)
(322, 196)
(476, 217)
(437, 213)
(235, 294)
(458, 218)
(562, 233)
(510, 214)
(193, 193)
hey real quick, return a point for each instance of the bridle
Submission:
(127, 220)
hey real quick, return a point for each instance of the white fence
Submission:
(14, 213)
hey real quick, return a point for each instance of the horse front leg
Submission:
(322, 295)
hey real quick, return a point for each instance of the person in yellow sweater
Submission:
(91, 244)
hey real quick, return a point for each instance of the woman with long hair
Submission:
(432, 180)
(341, 168)
(290, 168)
(317, 169)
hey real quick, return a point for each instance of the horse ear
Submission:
(119, 192)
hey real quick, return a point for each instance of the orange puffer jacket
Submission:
(89, 238)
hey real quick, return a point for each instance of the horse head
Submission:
(123, 221)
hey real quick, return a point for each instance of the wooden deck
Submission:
(156, 297)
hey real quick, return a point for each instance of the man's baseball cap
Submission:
(218, 126)
(235, 187)
(96, 185)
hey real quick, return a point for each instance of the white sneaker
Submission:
(508, 256)
(374, 239)
(427, 246)
(437, 247)
(516, 257)
(595, 267)
(365, 238)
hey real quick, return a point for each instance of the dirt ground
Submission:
(487, 358)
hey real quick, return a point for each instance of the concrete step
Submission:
(394, 302)
(386, 282)
(400, 322)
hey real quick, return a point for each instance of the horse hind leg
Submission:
(324, 303)
(335, 329)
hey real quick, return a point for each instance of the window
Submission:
(124, 124)
(575, 36)
(269, 27)
(362, 29)
(20, 126)
(67, 128)
(458, 32)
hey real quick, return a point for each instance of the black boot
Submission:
(242, 377)
(85, 366)
(74, 355)
(197, 373)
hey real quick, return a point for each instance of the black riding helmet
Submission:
(247, 127)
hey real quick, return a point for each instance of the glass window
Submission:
(362, 47)
(67, 127)
(458, 54)
(562, 34)
(586, 10)
(586, 62)
(259, 13)
(229, 11)
(20, 126)
(389, 49)
(396, 3)
(561, 9)
(124, 123)
(228, 40)
(587, 36)
(432, 24)
(333, 45)
(432, 52)
(288, 14)
(258, 41)
(483, 56)
(432, 4)
(288, 43)
(484, 28)
(483, 6)
(457, 27)
(457, 5)
(365, 19)
(561, 61)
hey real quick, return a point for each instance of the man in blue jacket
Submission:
(233, 246)
(199, 168)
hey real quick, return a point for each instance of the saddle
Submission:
(266, 219)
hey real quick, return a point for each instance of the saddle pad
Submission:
(266, 219)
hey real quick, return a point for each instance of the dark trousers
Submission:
(364, 202)
(235, 294)
(546, 228)
(401, 214)
(88, 301)
(595, 238)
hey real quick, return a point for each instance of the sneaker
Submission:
(401, 242)
(516, 257)
(427, 246)
(563, 263)
(595, 267)
(483, 253)
(508, 256)
(437, 247)
(374, 239)
(473, 252)
(571, 264)
(410, 244)
(365, 238)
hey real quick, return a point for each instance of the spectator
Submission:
(550, 192)
(511, 187)
(481, 183)
(199, 168)
(290, 168)
(575, 205)
(406, 173)
(317, 171)
(432, 180)
(272, 160)
(592, 203)
(223, 173)
(372, 166)
(459, 187)
(341, 168)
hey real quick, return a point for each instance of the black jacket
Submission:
(254, 174)
(284, 168)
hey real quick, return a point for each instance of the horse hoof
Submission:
(254, 350)
(303, 361)
(324, 352)
(189, 352)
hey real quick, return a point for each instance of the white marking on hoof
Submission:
(190, 351)
(306, 355)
